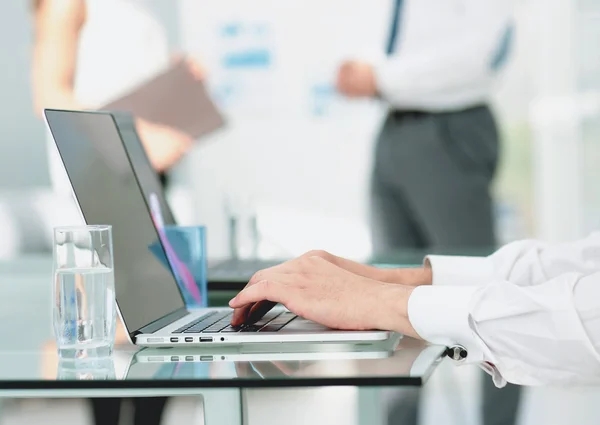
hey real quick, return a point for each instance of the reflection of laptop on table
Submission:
(149, 300)
(246, 360)
(407, 361)
(271, 352)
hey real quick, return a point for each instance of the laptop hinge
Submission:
(162, 322)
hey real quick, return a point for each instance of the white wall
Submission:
(22, 161)
(277, 154)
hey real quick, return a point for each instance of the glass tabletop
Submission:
(29, 361)
(399, 362)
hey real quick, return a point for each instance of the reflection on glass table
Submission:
(399, 362)
(93, 369)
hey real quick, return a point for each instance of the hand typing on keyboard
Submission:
(318, 290)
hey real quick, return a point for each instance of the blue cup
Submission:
(185, 249)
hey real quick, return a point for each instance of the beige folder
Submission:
(176, 98)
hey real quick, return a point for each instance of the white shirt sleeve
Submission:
(530, 313)
(522, 263)
(450, 68)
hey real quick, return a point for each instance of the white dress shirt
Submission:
(530, 313)
(445, 54)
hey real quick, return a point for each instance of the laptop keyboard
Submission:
(216, 322)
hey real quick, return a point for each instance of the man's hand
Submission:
(318, 290)
(413, 276)
(356, 79)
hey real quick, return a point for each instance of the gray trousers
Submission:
(431, 180)
(431, 190)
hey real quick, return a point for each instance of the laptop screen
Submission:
(108, 193)
(148, 180)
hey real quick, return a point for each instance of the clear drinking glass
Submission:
(243, 228)
(84, 310)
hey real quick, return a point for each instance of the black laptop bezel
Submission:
(176, 314)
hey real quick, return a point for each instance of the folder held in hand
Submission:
(175, 98)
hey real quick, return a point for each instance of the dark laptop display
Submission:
(108, 192)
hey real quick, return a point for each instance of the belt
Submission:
(400, 114)
(414, 113)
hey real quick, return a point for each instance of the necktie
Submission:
(504, 47)
(391, 46)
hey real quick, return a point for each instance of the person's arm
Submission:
(408, 276)
(532, 335)
(522, 263)
(544, 330)
(499, 298)
(455, 68)
(57, 27)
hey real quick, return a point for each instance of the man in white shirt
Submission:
(437, 151)
(529, 314)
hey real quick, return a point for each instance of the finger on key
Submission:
(258, 310)
(240, 315)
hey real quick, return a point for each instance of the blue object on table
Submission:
(185, 249)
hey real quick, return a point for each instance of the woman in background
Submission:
(88, 53)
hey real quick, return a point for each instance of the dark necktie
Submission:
(391, 46)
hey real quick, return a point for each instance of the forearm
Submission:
(56, 97)
(527, 335)
(407, 276)
(392, 310)
(57, 28)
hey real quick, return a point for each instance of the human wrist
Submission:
(409, 276)
(392, 312)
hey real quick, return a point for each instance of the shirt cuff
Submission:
(441, 315)
(460, 271)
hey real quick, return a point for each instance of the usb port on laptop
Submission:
(206, 339)
(174, 339)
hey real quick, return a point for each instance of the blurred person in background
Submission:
(437, 150)
(87, 54)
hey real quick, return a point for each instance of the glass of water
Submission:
(84, 307)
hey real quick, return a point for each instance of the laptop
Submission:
(149, 300)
